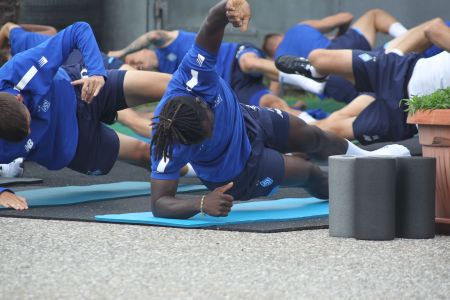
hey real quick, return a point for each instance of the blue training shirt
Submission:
(170, 57)
(300, 40)
(49, 96)
(224, 155)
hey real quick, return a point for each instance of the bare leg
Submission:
(144, 86)
(251, 63)
(272, 101)
(136, 122)
(300, 172)
(353, 109)
(329, 23)
(373, 21)
(134, 151)
(415, 40)
(337, 62)
(439, 34)
(318, 144)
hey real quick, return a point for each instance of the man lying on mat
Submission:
(391, 77)
(51, 115)
(236, 150)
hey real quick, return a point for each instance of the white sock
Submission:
(354, 150)
(13, 169)
(306, 117)
(190, 172)
(302, 82)
(397, 29)
(315, 73)
(389, 150)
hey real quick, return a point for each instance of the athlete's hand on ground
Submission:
(118, 54)
(91, 87)
(8, 199)
(238, 13)
(217, 203)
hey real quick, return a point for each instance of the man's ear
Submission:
(19, 98)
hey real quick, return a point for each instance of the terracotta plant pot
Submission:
(434, 136)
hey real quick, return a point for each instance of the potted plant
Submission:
(432, 115)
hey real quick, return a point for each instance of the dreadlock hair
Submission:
(14, 123)
(181, 121)
(267, 42)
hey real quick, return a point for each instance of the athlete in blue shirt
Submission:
(235, 149)
(308, 35)
(242, 65)
(390, 76)
(45, 116)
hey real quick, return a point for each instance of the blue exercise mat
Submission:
(287, 209)
(79, 194)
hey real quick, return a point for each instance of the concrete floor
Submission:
(71, 260)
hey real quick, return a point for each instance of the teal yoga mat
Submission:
(287, 209)
(78, 194)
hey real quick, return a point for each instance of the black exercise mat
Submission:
(86, 212)
(7, 181)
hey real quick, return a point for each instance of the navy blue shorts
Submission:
(340, 89)
(352, 39)
(337, 87)
(268, 132)
(249, 88)
(98, 145)
(386, 75)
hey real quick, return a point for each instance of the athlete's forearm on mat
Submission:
(11, 200)
(165, 205)
(158, 38)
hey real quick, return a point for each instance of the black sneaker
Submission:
(296, 65)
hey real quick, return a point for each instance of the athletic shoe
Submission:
(296, 65)
(13, 169)
(391, 150)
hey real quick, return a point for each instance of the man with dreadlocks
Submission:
(236, 150)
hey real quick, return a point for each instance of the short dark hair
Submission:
(181, 121)
(266, 41)
(4, 56)
(14, 124)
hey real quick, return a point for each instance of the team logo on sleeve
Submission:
(43, 61)
(365, 57)
(200, 59)
(44, 106)
(171, 57)
(29, 145)
(266, 182)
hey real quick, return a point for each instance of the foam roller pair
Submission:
(379, 198)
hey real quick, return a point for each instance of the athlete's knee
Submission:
(434, 28)
(247, 63)
(317, 57)
(272, 101)
(372, 13)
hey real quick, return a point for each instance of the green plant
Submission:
(440, 99)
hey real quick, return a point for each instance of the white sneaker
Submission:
(13, 169)
(391, 150)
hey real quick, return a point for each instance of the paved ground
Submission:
(70, 260)
(42, 259)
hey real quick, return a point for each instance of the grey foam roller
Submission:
(416, 186)
(375, 191)
(342, 195)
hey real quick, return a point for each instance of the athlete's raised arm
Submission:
(236, 12)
